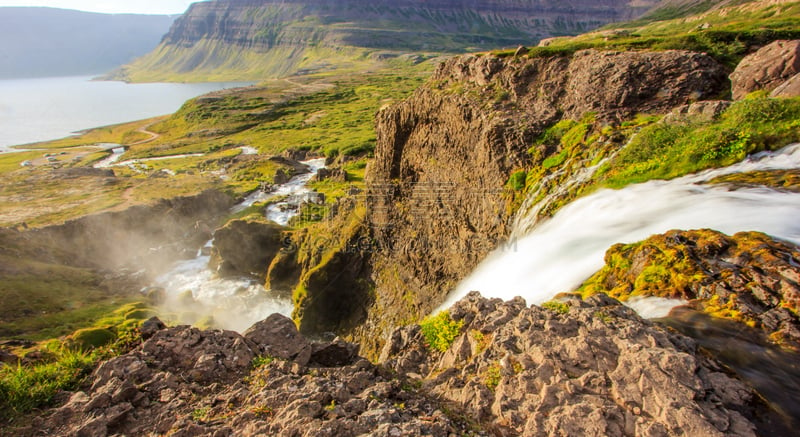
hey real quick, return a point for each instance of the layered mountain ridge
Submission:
(258, 38)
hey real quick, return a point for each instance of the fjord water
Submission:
(558, 254)
(34, 110)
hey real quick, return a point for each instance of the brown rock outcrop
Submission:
(587, 368)
(767, 68)
(435, 194)
(748, 277)
(187, 382)
(246, 247)
(790, 88)
(336, 174)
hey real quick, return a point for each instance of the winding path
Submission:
(144, 129)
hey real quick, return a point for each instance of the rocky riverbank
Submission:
(587, 366)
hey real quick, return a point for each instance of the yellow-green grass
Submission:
(10, 162)
(727, 33)
(44, 300)
(123, 133)
(67, 362)
(337, 119)
(669, 150)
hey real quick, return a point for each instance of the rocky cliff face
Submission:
(437, 200)
(213, 37)
(592, 368)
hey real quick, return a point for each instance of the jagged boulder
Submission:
(790, 88)
(277, 336)
(246, 247)
(767, 68)
(188, 382)
(749, 277)
(582, 368)
(336, 174)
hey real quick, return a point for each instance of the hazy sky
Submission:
(110, 6)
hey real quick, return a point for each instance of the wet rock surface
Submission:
(246, 247)
(749, 277)
(767, 68)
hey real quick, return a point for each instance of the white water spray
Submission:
(234, 303)
(562, 252)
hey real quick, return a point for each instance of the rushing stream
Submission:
(558, 254)
(195, 292)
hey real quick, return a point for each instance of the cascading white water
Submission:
(560, 253)
(234, 303)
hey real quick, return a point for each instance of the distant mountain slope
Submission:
(37, 42)
(250, 39)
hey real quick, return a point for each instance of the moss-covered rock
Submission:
(749, 277)
(246, 247)
(91, 338)
(788, 180)
(332, 294)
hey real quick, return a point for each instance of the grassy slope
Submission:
(326, 114)
(726, 33)
(727, 30)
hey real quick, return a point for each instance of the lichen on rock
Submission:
(749, 277)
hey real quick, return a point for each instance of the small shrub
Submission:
(483, 340)
(555, 160)
(440, 330)
(262, 360)
(91, 338)
(263, 412)
(493, 376)
(556, 306)
(200, 414)
(575, 136)
(139, 314)
(603, 316)
(517, 180)
(554, 133)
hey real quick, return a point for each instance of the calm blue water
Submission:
(34, 110)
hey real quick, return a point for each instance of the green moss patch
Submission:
(440, 331)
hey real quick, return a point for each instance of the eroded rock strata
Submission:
(590, 367)
(436, 200)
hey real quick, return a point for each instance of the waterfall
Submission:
(558, 254)
(234, 303)
(528, 216)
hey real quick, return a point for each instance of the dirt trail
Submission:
(144, 129)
